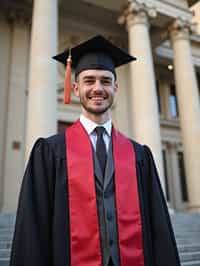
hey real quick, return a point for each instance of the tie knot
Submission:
(99, 131)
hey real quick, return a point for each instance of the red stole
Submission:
(84, 228)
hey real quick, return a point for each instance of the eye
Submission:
(89, 81)
(106, 82)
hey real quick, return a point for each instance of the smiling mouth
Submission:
(97, 98)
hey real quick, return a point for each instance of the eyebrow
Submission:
(94, 77)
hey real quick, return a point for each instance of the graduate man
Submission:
(91, 196)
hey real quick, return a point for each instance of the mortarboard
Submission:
(95, 53)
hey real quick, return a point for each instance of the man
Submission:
(91, 196)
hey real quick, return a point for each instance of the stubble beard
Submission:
(92, 110)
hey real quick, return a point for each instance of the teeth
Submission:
(98, 98)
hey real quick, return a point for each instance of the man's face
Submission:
(96, 90)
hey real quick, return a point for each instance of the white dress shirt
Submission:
(90, 126)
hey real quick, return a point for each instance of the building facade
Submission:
(158, 102)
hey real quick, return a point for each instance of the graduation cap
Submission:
(96, 53)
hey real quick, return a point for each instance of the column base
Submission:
(193, 208)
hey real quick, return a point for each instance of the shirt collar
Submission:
(90, 125)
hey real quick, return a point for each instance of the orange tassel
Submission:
(68, 85)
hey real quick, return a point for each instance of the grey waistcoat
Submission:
(106, 209)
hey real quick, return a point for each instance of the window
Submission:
(184, 193)
(166, 175)
(173, 101)
(158, 96)
(198, 82)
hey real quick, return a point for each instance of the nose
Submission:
(98, 86)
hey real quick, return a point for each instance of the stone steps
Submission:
(190, 256)
(189, 248)
(187, 234)
(186, 227)
(7, 222)
(4, 261)
(193, 263)
(5, 244)
(5, 253)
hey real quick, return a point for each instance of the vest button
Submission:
(106, 195)
(111, 242)
(109, 216)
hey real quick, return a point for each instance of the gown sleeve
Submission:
(164, 247)
(33, 237)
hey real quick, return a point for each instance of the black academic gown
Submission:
(42, 228)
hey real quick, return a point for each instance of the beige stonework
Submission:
(174, 182)
(178, 3)
(121, 110)
(42, 79)
(196, 18)
(14, 141)
(5, 30)
(147, 23)
(144, 107)
(189, 107)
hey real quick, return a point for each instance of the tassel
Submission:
(68, 85)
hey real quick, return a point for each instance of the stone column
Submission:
(42, 102)
(5, 48)
(144, 107)
(174, 178)
(122, 116)
(16, 111)
(189, 107)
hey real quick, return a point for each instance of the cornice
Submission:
(168, 9)
(181, 29)
(137, 13)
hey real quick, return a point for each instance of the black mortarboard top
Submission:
(96, 53)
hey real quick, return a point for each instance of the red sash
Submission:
(84, 228)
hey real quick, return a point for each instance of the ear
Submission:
(116, 87)
(75, 89)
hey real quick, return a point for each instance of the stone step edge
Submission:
(189, 245)
(190, 253)
(197, 248)
(186, 252)
(181, 242)
(189, 263)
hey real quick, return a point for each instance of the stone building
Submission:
(158, 98)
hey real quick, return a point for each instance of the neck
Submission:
(98, 119)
